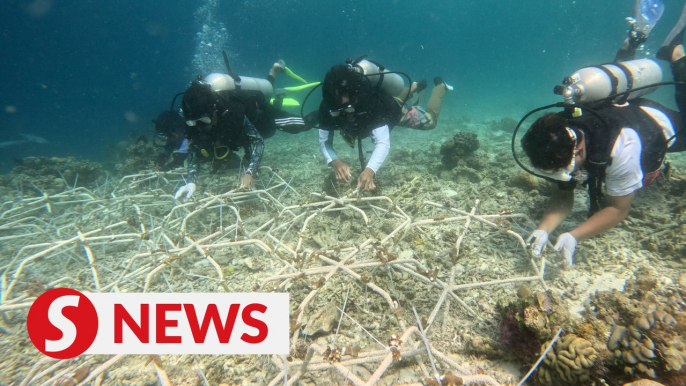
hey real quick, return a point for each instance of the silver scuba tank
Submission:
(223, 82)
(390, 83)
(591, 84)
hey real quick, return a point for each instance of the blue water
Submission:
(88, 74)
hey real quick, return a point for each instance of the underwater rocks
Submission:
(460, 146)
(528, 321)
(323, 321)
(54, 175)
(506, 124)
(525, 181)
(644, 382)
(624, 336)
(640, 333)
(646, 338)
(569, 362)
(133, 157)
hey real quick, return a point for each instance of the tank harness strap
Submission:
(630, 81)
(613, 79)
(596, 173)
(381, 73)
(363, 161)
(357, 60)
(236, 77)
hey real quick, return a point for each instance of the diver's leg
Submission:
(630, 45)
(290, 123)
(674, 39)
(678, 64)
(433, 107)
(276, 70)
(416, 87)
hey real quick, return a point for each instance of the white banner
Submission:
(170, 323)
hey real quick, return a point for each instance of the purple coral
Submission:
(516, 338)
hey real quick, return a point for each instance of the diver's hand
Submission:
(246, 181)
(185, 192)
(341, 170)
(366, 180)
(540, 238)
(566, 243)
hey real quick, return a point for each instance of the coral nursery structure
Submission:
(357, 267)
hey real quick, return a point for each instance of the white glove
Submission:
(566, 243)
(540, 238)
(186, 190)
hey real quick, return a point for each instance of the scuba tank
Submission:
(225, 82)
(595, 83)
(391, 83)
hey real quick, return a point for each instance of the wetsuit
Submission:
(374, 117)
(227, 135)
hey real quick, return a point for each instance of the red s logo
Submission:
(62, 323)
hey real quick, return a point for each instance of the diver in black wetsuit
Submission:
(358, 108)
(170, 130)
(219, 122)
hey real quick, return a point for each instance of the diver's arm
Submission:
(193, 167)
(326, 145)
(382, 145)
(559, 207)
(616, 210)
(340, 168)
(256, 145)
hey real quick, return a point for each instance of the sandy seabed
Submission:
(446, 243)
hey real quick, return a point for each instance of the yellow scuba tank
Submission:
(591, 84)
(390, 83)
(223, 82)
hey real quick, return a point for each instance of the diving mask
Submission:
(564, 174)
(194, 122)
(349, 109)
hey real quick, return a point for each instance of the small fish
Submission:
(11, 143)
(34, 138)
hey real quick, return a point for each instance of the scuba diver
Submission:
(226, 112)
(361, 99)
(169, 138)
(606, 136)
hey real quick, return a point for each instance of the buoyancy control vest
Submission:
(601, 129)
(228, 133)
(374, 111)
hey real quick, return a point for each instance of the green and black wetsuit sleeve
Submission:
(256, 145)
(193, 167)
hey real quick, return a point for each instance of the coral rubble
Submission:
(460, 146)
